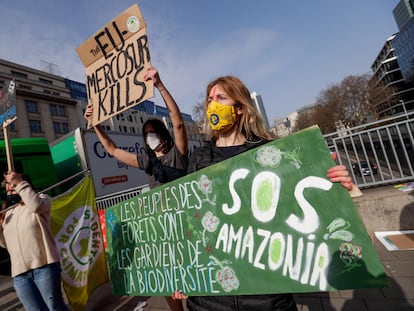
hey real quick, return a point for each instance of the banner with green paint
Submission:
(265, 221)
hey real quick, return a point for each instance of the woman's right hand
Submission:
(12, 179)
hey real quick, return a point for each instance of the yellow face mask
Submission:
(220, 117)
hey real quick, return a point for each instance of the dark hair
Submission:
(3, 191)
(165, 136)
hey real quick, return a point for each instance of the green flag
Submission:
(75, 225)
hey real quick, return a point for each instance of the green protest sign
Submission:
(265, 221)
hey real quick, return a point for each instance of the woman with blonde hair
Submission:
(235, 126)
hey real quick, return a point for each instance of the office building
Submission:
(51, 106)
(403, 12)
(44, 106)
(393, 69)
(257, 99)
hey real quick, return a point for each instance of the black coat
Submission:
(203, 157)
(209, 154)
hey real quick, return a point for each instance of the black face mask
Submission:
(13, 199)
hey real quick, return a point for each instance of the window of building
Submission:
(25, 87)
(46, 81)
(57, 110)
(132, 129)
(60, 127)
(56, 127)
(31, 106)
(18, 74)
(65, 128)
(53, 110)
(62, 111)
(35, 126)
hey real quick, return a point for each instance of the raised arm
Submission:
(180, 133)
(126, 157)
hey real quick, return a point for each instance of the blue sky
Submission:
(286, 51)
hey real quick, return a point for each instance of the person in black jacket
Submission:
(166, 158)
(235, 126)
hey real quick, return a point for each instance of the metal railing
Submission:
(377, 153)
(112, 199)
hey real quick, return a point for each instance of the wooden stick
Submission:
(9, 154)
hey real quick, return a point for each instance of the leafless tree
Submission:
(346, 104)
(198, 116)
(303, 121)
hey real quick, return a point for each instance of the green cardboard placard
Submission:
(265, 221)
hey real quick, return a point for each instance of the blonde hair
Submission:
(250, 122)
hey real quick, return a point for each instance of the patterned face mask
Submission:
(220, 117)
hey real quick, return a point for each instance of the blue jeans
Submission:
(40, 289)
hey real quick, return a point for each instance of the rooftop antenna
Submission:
(50, 67)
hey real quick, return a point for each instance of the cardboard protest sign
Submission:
(8, 115)
(116, 59)
(265, 221)
(8, 103)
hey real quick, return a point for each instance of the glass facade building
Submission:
(393, 69)
(403, 13)
(404, 50)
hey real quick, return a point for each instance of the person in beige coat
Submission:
(25, 232)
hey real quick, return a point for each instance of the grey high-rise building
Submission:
(257, 99)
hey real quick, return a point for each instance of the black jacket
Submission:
(201, 158)
(209, 154)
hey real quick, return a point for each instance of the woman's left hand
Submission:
(339, 173)
(179, 295)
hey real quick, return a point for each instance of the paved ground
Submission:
(399, 296)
